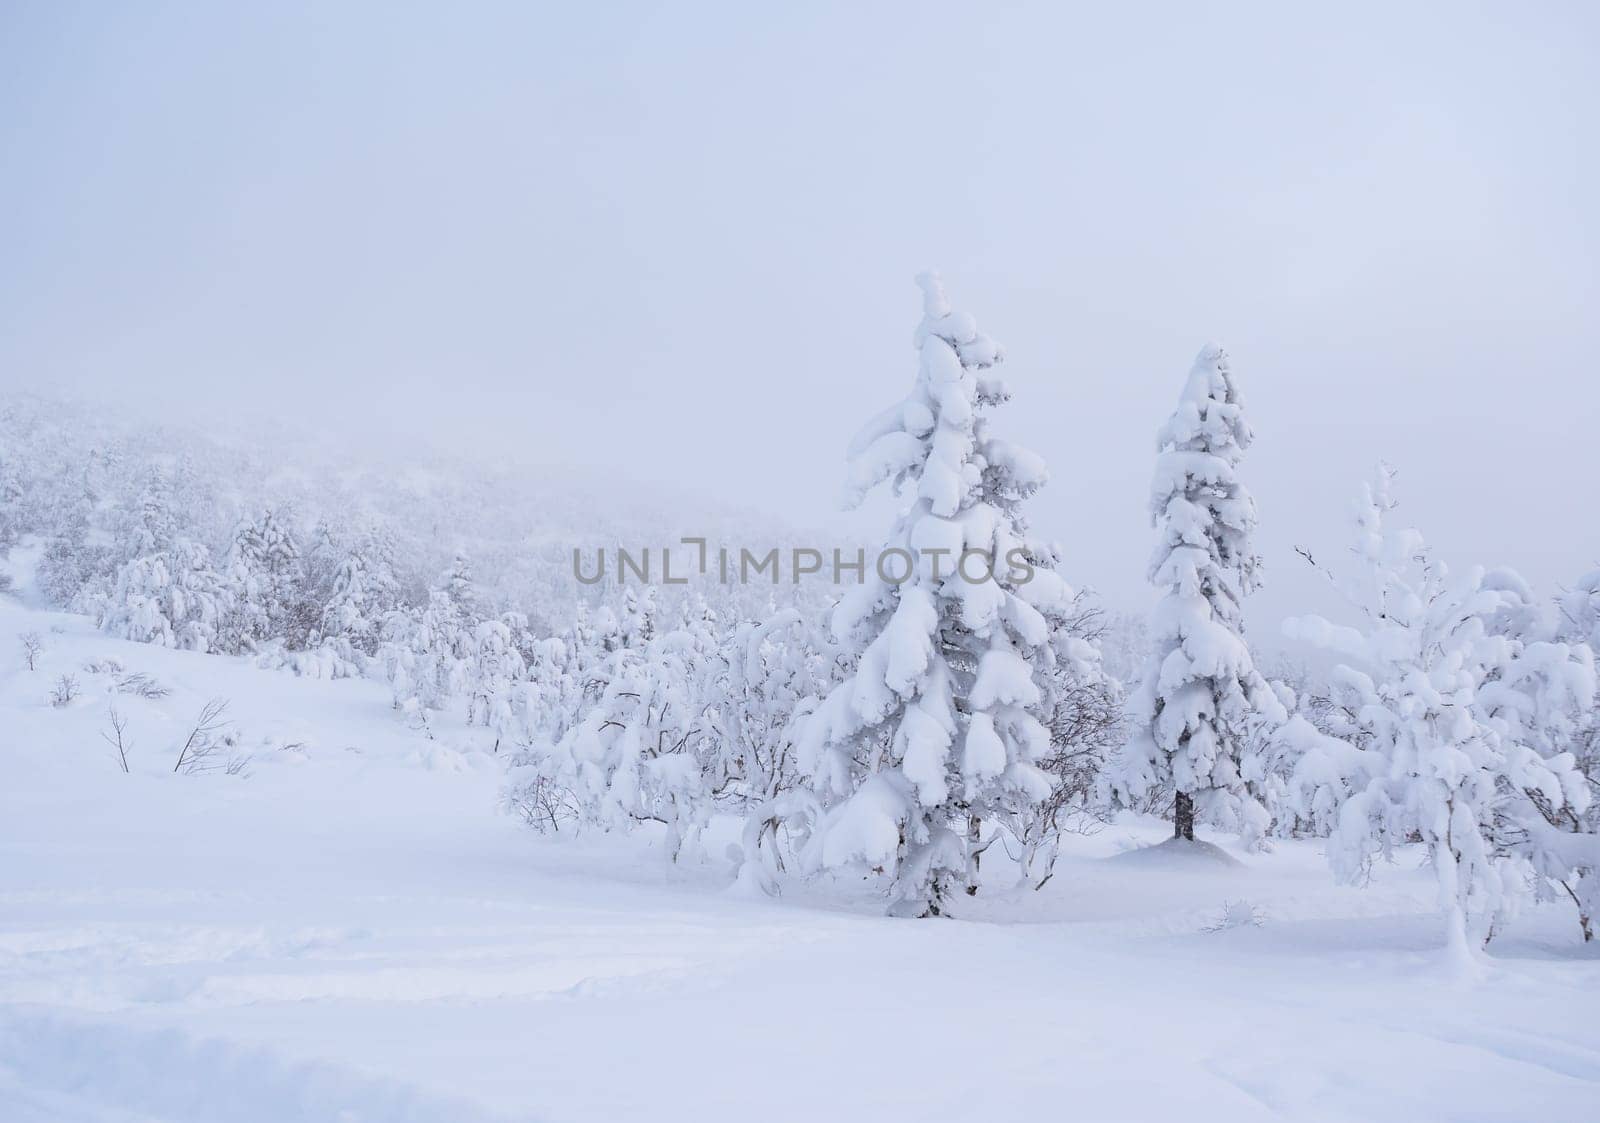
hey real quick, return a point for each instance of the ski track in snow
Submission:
(57, 1070)
(353, 935)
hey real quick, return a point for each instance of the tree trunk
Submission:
(1183, 816)
(974, 841)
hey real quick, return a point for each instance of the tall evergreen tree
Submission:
(938, 730)
(1201, 693)
(267, 585)
(167, 591)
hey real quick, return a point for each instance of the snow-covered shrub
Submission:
(770, 675)
(1236, 914)
(32, 648)
(1084, 713)
(65, 690)
(1425, 756)
(643, 752)
(1540, 693)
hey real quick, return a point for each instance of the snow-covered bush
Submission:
(65, 691)
(1425, 755)
(1084, 713)
(770, 675)
(32, 648)
(643, 752)
(1541, 693)
(423, 653)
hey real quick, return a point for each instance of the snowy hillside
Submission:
(346, 930)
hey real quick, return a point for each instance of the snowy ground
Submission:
(352, 933)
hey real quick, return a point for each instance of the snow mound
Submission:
(1178, 854)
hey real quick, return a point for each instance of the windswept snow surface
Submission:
(351, 932)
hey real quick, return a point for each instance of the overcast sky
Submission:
(677, 241)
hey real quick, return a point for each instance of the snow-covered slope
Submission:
(348, 930)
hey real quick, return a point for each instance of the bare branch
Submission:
(116, 738)
(202, 741)
(32, 647)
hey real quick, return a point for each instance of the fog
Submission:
(677, 242)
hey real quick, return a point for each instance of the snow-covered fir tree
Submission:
(320, 561)
(1427, 756)
(461, 588)
(1201, 697)
(427, 652)
(495, 698)
(360, 592)
(267, 585)
(637, 620)
(12, 496)
(937, 732)
(167, 591)
(74, 570)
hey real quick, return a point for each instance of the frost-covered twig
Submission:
(66, 689)
(141, 684)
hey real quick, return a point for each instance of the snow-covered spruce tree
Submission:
(461, 588)
(137, 608)
(167, 592)
(495, 673)
(583, 649)
(266, 585)
(637, 620)
(324, 552)
(938, 730)
(1425, 758)
(1201, 695)
(361, 591)
(426, 651)
(12, 491)
(349, 615)
(75, 572)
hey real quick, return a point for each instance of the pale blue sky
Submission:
(678, 240)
